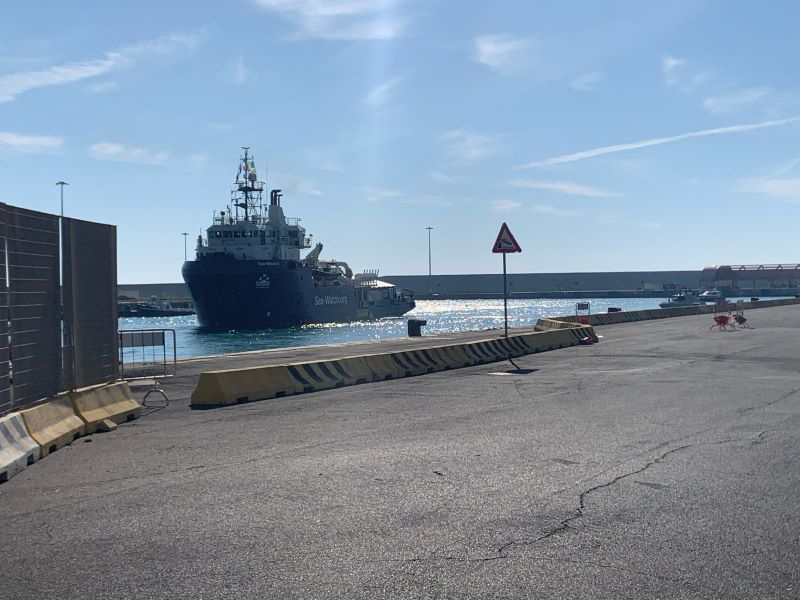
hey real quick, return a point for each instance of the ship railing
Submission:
(292, 221)
(147, 353)
(777, 267)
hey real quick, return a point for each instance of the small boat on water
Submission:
(711, 296)
(156, 307)
(684, 298)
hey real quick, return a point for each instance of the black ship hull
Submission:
(250, 294)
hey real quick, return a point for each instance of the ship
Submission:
(156, 307)
(248, 272)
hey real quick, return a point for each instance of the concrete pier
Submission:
(659, 463)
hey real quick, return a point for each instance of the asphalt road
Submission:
(660, 463)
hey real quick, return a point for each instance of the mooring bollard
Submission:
(415, 327)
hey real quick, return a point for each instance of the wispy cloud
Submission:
(381, 93)
(684, 76)
(782, 184)
(555, 160)
(564, 187)
(123, 153)
(719, 97)
(340, 19)
(308, 187)
(668, 63)
(588, 82)
(505, 205)
(29, 143)
(605, 218)
(14, 84)
(296, 184)
(779, 188)
(735, 101)
(503, 51)
(467, 146)
(241, 73)
(373, 194)
(668, 66)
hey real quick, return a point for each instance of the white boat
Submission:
(685, 298)
(711, 296)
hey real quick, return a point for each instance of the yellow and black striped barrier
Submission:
(237, 386)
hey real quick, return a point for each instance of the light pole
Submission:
(429, 250)
(185, 235)
(65, 380)
(62, 184)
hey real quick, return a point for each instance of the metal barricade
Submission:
(143, 355)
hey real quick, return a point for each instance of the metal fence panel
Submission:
(135, 339)
(33, 303)
(5, 383)
(90, 302)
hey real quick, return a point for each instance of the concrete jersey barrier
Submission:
(53, 424)
(103, 407)
(665, 313)
(17, 448)
(236, 386)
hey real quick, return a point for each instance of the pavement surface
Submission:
(660, 463)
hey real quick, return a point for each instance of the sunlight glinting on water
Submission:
(442, 316)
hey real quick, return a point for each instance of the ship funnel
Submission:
(275, 198)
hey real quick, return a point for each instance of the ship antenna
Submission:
(246, 191)
(266, 180)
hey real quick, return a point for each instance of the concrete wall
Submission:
(480, 284)
(143, 291)
(543, 282)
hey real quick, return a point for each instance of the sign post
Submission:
(505, 244)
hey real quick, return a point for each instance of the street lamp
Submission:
(185, 235)
(429, 250)
(62, 184)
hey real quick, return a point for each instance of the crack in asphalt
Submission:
(770, 403)
(580, 510)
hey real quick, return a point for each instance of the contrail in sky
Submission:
(565, 158)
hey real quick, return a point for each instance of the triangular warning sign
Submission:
(505, 241)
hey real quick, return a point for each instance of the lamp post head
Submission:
(61, 183)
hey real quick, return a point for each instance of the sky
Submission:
(608, 135)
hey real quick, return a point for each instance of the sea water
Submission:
(443, 316)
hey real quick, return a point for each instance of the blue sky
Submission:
(609, 135)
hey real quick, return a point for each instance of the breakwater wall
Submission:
(623, 284)
(569, 284)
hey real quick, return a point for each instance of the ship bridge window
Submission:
(237, 234)
(226, 234)
(217, 234)
(293, 233)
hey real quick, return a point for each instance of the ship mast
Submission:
(248, 186)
